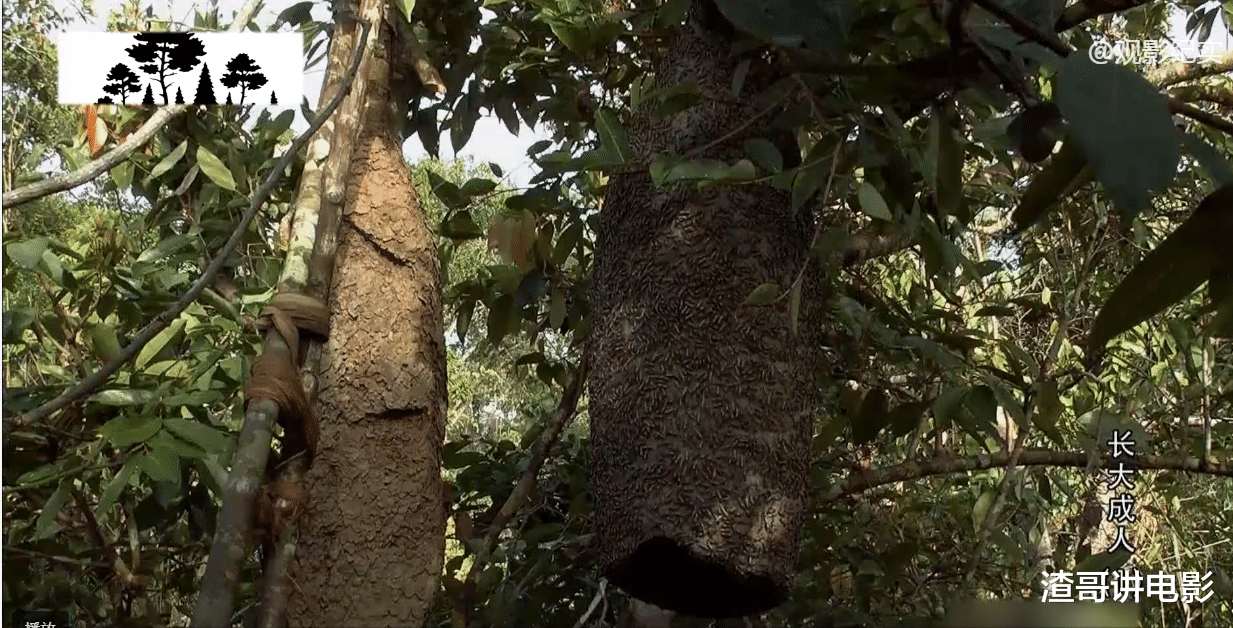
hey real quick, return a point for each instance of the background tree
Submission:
(121, 81)
(164, 55)
(205, 88)
(244, 73)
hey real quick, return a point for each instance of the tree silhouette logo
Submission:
(156, 69)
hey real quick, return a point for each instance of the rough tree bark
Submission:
(371, 545)
(700, 403)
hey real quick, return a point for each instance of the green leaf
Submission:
(574, 37)
(161, 465)
(204, 436)
(158, 343)
(820, 26)
(948, 187)
(1103, 561)
(501, 319)
(556, 312)
(764, 154)
(742, 170)
(406, 7)
(122, 175)
(1049, 184)
(805, 184)
(872, 418)
(1123, 125)
(116, 486)
(612, 135)
(28, 253)
(538, 147)
(1047, 411)
(696, 170)
(44, 526)
(948, 406)
(16, 322)
(182, 449)
(496, 170)
(984, 408)
(1030, 131)
(478, 186)
(460, 459)
(532, 288)
(165, 247)
(122, 397)
(904, 418)
(1216, 164)
(543, 533)
(106, 345)
(872, 203)
(462, 122)
(214, 168)
(50, 263)
(566, 242)
(981, 509)
(1170, 272)
(463, 325)
(461, 226)
(195, 398)
(124, 431)
(763, 294)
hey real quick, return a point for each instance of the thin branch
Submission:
(1016, 452)
(1204, 93)
(76, 562)
(1190, 111)
(1182, 71)
(565, 412)
(124, 150)
(946, 465)
(96, 379)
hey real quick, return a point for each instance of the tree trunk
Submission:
(700, 403)
(371, 547)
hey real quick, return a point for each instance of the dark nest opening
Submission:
(665, 574)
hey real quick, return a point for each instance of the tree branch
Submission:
(565, 411)
(1204, 93)
(120, 153)
(1194, 113)
(944, 465)
(1181, 71)
(95, 379)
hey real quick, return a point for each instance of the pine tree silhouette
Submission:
(179, 96)
(229, 103)
(148, 101)
(273, 98)
(205, 88)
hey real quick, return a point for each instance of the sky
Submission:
(491, 141)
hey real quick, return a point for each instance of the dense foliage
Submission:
(989, 296)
